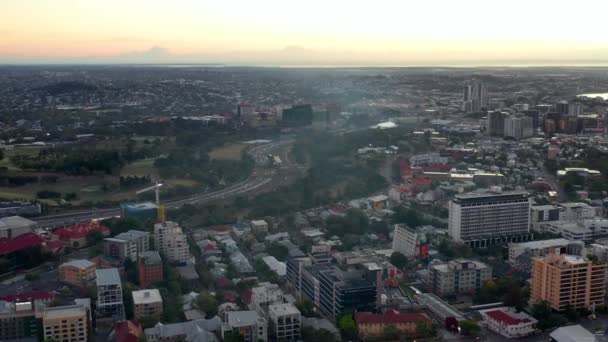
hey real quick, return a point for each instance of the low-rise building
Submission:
(572, 333)
(197, 330)
(458, 276)
(583, 230)
(520, 254)
(249, 325)
(76, 235)
(149, 268)
(276, 266)
(509, 323)
(66, 323)
(110, 305)
(147, 304)
(13, 226)
(259, 226)
(79, 272)
(372, 325)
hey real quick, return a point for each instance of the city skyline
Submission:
(274, 33)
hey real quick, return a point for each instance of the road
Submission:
(260, 179)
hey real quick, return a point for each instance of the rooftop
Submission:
(18, 243)
(15, 221)
(60, 312)
(389, 317)
(572, 333)
(151, 257)
(242, 318)
(508, 317)
(81, 230)
(541, 243)
(79, 263)
(107, 276)
(146, 296)
(131, 235)
(476, 195)
(277, 310)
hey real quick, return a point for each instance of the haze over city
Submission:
(311, 33)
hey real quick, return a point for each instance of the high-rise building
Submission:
(575, 109)
(140, 242)
(475, 97)
(458, 276)
(171, 242)
(496, 123)
(518, 127)
(149, 268)
(567, 281)
(298, 116)
(109, 295)
(561, 107)
(482, 219)
(66, 323)
(409, 242)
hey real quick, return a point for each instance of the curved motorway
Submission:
(257, 180)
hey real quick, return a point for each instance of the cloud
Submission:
(153, 53)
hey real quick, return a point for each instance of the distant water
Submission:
(594, 95)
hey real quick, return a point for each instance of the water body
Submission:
(594, 95)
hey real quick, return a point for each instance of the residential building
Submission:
(117, 249)
(147, 304)
(171, 242)
(458, 276)
(149, 268)
(197, 330)
(496, 123)
(109, 295)
(19, 319)
(482, 219)
(336, 288)
(372, 325)
(541, 214)
(576, 211)
(285, 321)
(475, 97)
(140, 242)
(521, 254)
(128, 331)
(13, 226)
(79, 272)
(259, 226)
(66, 323)
(509, 323)
(275, 265)
(518, 127)
(248, 324)
(567, 280)
(409, 242)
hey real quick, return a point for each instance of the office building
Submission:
(541, 214)
(457, 276)
(576, 211)
(496, 123)
(139, 241)
(567, 280)
(66, 323)
(475, 97)
(79, 272)
(149, 268)
(19, 319)
(482, 219)
(13, 226)
(336, 288)
(171, 242)
(509, 323)
(409, 242)
(147, 304)
(249, 325)
(109, 295)
(575, 109)
(521, 254)
(583, 230)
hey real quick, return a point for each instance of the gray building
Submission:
(458, 276)
(109, 295)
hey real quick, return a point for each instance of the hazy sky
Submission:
(289, 32)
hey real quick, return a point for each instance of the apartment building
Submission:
(249, 325)
(66, 323)
(521, 254)
(109, 295)
(567, 280)
(171, 242)
(408, 241)
(483, 219)
(139, 242)
(79, 272)
(147, 303)
(284, 318)
(149, 268)
(457, 276)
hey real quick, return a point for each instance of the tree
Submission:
(207, 302)
(233, 336)
(347, 325)
(309, 334)
(425, 329)
(391, 333)
(469, 327)
(398, 260)
(306, 307)
(571, 313)
(94, 238)
(278, 251)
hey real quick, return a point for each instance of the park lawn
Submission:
(144, 167)
(20, 150)
(181, 182)
(228, 152)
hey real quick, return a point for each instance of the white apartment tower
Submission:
(171, 241)
(482, 219)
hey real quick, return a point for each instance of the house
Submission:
(78, 272)
(259, 226)
(76, 235)
(128, 331)
(508, 323)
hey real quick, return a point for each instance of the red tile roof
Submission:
(54, 246)
(389, 317)
(421, 181)
(18, 243)
(501, 316)
(81, 230)
(128, 331)
(23, 297)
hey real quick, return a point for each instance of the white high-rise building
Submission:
(482, 219)
(171, 241)
(405, 240)
(475, 97)
(518, 127)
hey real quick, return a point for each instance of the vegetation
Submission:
(469, 327)
(545, 316)
(207, 303)
(347, 326)
(310, 334)
(398, 260)
(508, 290)
(306, 307)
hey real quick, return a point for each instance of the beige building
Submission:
(564, 280)
(79, 272)
(147, 304)
(458, 276)
(171, 242)
(66, 323)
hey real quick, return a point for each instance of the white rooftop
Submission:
(541, 243)
(283, 309)
(148, 296)
(65, 311)
(572, 333)
(79, 263)
(107, 276)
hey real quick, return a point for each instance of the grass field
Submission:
(139, 168)
(24, 151)
(229, 152)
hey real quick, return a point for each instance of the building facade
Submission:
(79, 273)
(109, 295)
(149, 268)
(147, 303)
(508, 323)
(521, 254)
(171, 242)
(458, 276)
(567, 280)
(372, 325)
(483, 219)
(66, 323)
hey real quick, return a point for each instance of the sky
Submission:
(306, 33)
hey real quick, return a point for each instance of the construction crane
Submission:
(156, 188)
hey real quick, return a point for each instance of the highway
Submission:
(256, 181)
